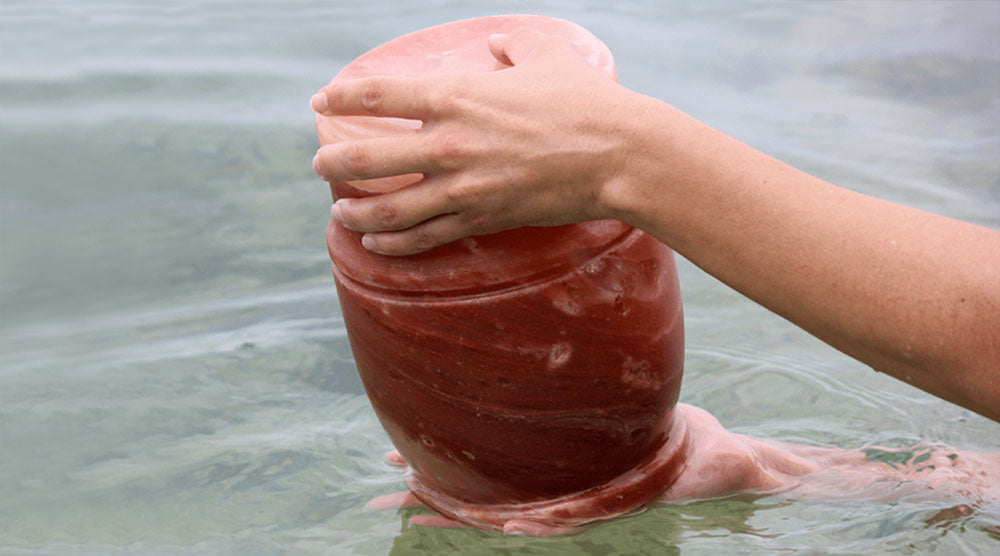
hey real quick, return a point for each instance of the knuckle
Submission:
(477, 222)
(463, 193)
(424, 240)
(372, 97)
(356, 161)
(445, 94)
(386, 215)
(458, 193)
(449, 150)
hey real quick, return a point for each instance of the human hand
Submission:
(537, 144)
(721, 463)
(406, 499)
(715, 463)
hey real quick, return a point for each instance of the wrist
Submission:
(644, 179)
(680, 175)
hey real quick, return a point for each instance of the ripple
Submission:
(165, 333)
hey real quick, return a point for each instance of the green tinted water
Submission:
(174, 372)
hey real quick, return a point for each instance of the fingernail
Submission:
(368, 242)
(318, 102)
(336, 213)
(316, 165)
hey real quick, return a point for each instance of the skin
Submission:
(549, 141)
(722, 463)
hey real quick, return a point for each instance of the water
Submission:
(174, 373)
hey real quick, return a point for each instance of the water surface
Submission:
(174, 372)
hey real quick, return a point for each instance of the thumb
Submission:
(512, 48)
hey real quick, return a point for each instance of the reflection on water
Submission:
(174, 373)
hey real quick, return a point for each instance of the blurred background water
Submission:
(174, 372)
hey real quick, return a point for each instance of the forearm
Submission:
(912, 294)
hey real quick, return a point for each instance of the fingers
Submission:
(395, 459)
(435, 520)
(513, 48)
(408, 221)
(404, 500)
(400, 97)
(394, 501)
(536, 529)
(518, 46)
(372, 158)
(396, 210)
(413, 219)
(423, 237)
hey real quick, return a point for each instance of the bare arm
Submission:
(912, 294)
(548, 142)
(720, 463)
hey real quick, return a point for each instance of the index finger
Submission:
(400, 97)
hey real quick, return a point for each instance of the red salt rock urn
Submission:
(529, 374)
